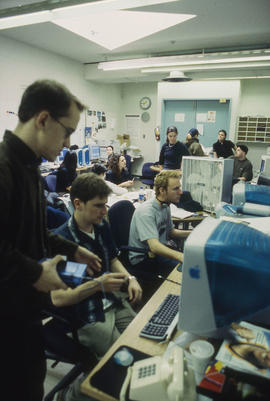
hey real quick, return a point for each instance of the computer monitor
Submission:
(94, 152)
(248, 193)
(226, 276)
(265, 164)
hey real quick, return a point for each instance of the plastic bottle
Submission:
(141, 195)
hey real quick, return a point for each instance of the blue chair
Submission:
(51, 182)
(55, 217)
(148, 175)
(128, 163)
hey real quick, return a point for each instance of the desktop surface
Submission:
(130, 337)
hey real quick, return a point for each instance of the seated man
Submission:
(242, 169)
(151, 228)
(87, 227)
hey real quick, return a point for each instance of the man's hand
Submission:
(134, 291)
(111, 281)
(82, 255)
(49, 279)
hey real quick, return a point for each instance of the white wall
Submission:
(255, 101)
(131, 95)
(21, 65)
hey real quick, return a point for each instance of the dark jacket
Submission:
(171, 156)
(24, 238)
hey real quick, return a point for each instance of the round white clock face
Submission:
(145, 103)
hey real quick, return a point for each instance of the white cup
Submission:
(201, 353)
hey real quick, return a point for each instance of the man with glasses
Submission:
(48, 114)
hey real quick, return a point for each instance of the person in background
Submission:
(242, 168)
(100, 170)
(48, 115)
(172, 151)
(151, 228)
(66, 173)
(223, 147)
(118, 173)
(110, 153)
(111, 310)
(192, 143)
(73, 147)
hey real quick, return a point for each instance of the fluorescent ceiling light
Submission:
(174, 61)
(118, 28)
(192, 67)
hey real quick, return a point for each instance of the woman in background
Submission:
(117, 173)
(66, 173)
(172, 151)
(192, 143)
(100, 170)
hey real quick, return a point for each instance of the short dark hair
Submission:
(223, 130)
(244, 148)
(98, 169)
(87, 186)
(110, 146)
(46, 95)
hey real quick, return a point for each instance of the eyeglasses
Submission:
(68, 130)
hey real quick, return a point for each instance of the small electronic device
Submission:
(161, 379)
(72, 273)
(226, 275)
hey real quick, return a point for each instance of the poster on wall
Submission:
(211, 116)
(95, 120)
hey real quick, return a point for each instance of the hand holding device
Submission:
(49, 279)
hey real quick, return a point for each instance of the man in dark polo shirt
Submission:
(223, 147)
(242, 169)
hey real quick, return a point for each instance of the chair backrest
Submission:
(120, 215)
(148, 175)
(51, 182)
(55, 217)
(128, 162)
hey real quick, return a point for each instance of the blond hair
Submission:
(162, 179)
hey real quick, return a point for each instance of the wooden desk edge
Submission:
(130, 337)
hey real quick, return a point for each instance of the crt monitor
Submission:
(226, 276)
(94, 152)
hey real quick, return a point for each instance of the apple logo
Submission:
(194, 272)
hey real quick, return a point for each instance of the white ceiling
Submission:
(220, 25)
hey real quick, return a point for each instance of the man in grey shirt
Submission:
(242, 169)
(151, 228)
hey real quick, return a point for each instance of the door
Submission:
(208, 116)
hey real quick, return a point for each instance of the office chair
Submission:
(51, 182)
(148, 175)
(128, 163)
(120, 215)
(59, 347)
(55, 217)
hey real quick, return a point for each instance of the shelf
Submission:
(253, 129)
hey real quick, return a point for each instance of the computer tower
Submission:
(265, 165)
(86, 156)
(209, 180)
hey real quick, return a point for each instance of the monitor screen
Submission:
(262, 166)
(94, 152)
(226, 275)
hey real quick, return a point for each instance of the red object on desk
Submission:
(213, 380)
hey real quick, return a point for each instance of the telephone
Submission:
(162, 379)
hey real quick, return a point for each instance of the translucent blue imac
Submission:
(94, 152)
(226, 277)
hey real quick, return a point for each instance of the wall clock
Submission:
(145, 103)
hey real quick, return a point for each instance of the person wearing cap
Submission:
(192, 143)
(242, 169)
(172, 151)
(223, 147)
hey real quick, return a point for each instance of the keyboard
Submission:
(162, 323)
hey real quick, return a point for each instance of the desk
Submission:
(185, 222)
(131, 338)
